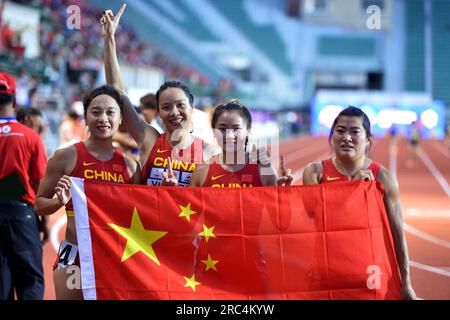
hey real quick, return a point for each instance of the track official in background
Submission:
(22, 166)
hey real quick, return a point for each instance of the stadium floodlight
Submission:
(328, 114)
(429, 118)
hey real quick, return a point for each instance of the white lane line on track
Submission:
(441, 149)
(429, 268)
(426, 236)
(434, 171)
(428, 213)
(54, 231)
(409, 228)
(393, 151)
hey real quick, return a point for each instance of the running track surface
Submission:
(425, 198)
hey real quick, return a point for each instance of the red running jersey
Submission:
(330, 173)
(218, 177)
(90, 168)
(21, 152)
(183, 164)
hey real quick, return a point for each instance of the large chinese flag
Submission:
(329, 241)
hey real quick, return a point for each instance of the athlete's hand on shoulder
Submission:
(109, 22)
(62, 190)
(286, 177)
(169, 178)
(366, 175)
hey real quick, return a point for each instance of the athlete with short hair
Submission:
(22, 166)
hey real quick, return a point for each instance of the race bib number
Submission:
(67, 254)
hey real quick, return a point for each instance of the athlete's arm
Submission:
(43, 228)
(199, 175)
(134, 170)
(143, 133)
(125, 140)
(311, 174)
(394, 212)
(112, 69)
(56, 180)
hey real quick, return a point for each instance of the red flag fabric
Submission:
(329, 241)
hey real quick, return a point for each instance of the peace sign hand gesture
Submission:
(169, 178)
(109, 22)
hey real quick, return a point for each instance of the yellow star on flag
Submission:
(186, 212)
(210, 263)
(138, 238)
(207, 232)
(191, 282)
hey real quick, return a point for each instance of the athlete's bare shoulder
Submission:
(312, 173)
(65, 157)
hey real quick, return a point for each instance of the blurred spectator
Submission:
(83, 50)
(72, 128)
(393, 132)
(413, 143)
(32, 118)
(149, 110)
(294, 122)
(12, 40)
(123, 140)
(7, 35)
(71, 60)
(27, 86)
